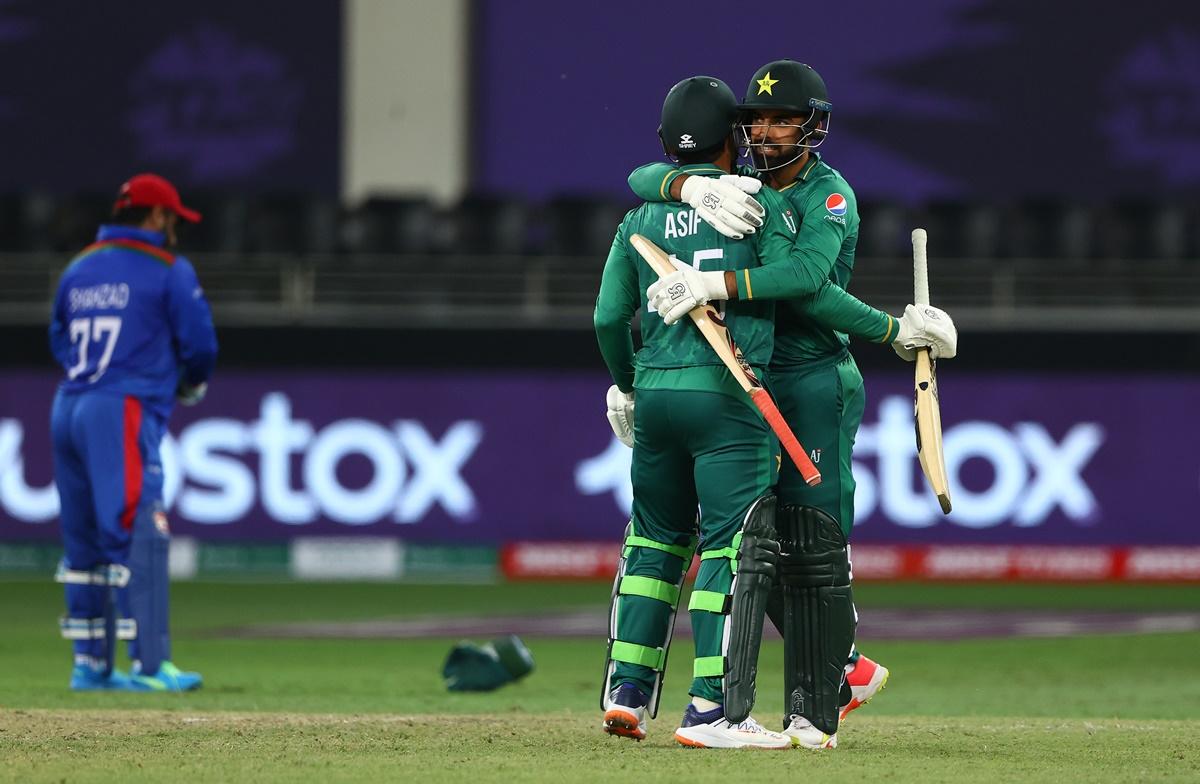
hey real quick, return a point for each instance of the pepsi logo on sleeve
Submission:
(836, 204)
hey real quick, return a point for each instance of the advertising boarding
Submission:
(485, 459)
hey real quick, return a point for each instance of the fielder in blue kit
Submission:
(133, 333)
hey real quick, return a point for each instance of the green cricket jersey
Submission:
(677, 229)
(819, 316)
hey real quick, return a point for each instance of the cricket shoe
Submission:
(866, 678)
(625, 714)
(711, 730)
(805, 736)
(87, 678)
(168, 678)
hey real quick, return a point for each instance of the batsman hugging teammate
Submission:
(819, 390)
(697, 439)
(133, 333)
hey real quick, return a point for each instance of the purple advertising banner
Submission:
(940, 99)
(215, 95)
(490, 458)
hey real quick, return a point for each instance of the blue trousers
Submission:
(109, 478)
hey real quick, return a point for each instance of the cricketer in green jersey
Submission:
(696, 440)
(816, 383)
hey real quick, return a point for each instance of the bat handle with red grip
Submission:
(787, 438)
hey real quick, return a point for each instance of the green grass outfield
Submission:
(1095, 709)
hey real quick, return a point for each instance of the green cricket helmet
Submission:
(698, 114)
(792, 88)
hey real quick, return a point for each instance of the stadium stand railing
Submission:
(284, 258)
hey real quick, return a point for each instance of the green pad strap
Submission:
(632, 653)
(709, 601)
(684, 553)
(730, 553)
(635, 585)
(709, 667)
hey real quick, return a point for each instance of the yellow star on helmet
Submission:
(764, 84)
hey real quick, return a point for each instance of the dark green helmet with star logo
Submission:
(787, 96)
(787, 85)
(697, 116)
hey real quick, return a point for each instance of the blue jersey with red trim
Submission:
(130, 318)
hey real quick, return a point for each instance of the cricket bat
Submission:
(927, 410)
(714, 331)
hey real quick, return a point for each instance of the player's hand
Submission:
(725, 203)
(672, 296)
(190, 394)
(924, 326)
(620, 414)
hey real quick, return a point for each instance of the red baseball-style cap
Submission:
(150, 190)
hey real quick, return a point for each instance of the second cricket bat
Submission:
(925, 394)
(713, 328)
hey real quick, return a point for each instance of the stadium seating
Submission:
(1076, 234)
(488, 225)
(581, 225)
(387, 224)
(276, 256)
(72, 222)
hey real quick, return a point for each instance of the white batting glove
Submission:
(672, 296)
(924, 326)
(620, 414)
(725, 203)
(190, 395)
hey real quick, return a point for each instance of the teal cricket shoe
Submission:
(87, 678)
(168, 678)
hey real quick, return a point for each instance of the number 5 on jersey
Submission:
(714, 331)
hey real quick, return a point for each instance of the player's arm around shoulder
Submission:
(726, 202)
(652, 181)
